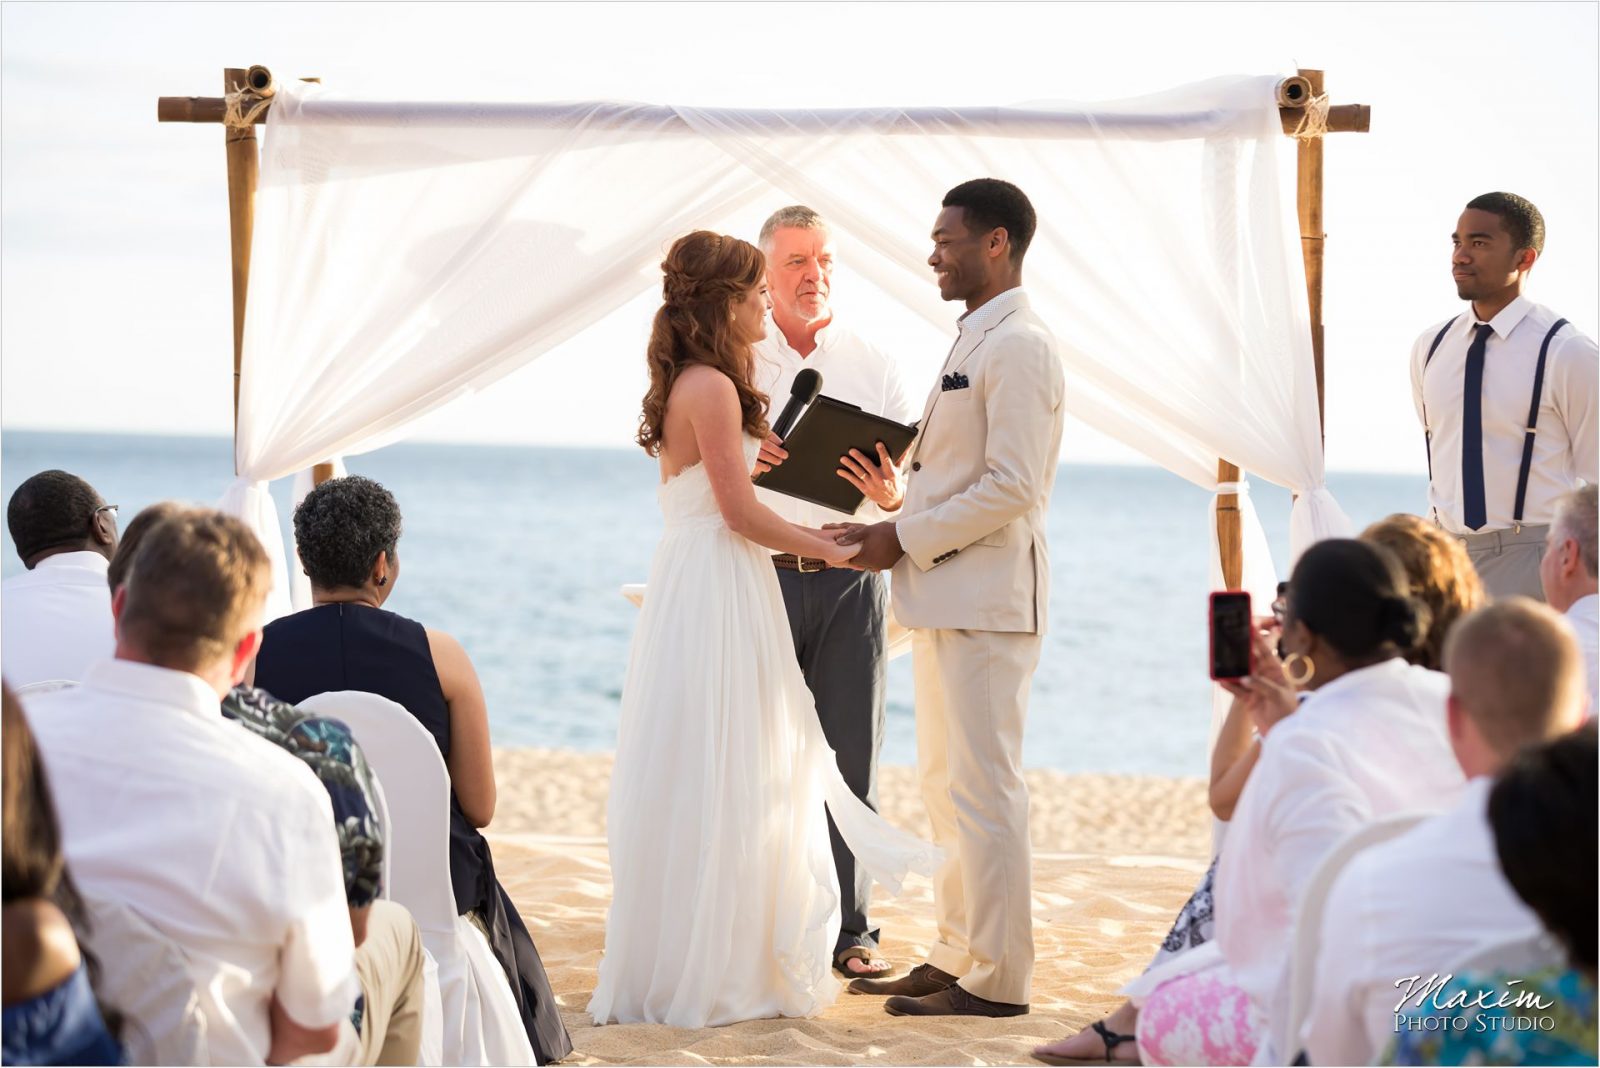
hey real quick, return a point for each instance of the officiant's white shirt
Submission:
(1584, 615)
(1368, 745)
(56, 619)
(1417, 905)
(854, 371)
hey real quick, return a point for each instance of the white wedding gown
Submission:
(725, 904)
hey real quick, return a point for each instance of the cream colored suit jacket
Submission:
(980, 473)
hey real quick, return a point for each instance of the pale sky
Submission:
(115, 299)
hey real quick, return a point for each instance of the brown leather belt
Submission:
(806, 565)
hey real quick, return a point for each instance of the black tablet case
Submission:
(828, 430)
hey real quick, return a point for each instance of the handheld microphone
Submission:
(807, 384)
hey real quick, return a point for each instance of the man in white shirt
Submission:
(57, 614)
(219, 839)
(1568, 574)
(836, 614)
(1414, 907)
(1507, 398)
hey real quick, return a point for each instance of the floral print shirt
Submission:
(1559, 1029)
(330, 751)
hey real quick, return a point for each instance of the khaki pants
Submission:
(389, 964)
(972, 701)
(1507, 560)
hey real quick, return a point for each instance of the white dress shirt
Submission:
(1564, 446)
(1369, 744)
(854, 371)
(1584, 615)
(221, 840)
(56, 619)
(1416, 905)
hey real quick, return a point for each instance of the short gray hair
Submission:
(796, 215)
(1577, 515)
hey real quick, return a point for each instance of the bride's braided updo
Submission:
(703, 276)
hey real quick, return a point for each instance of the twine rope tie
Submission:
(1313, 119)
(237, 116)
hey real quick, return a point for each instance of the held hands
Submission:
(878, 543)
(772, 454)
(880, 481)
(1266, 694)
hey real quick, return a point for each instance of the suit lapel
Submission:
(959, 355)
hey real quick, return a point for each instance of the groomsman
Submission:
(836, 614)
(1506, 394)
(972, 578)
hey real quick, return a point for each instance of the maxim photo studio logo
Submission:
(1492, 1008)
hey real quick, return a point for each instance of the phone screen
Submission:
(1230, 635)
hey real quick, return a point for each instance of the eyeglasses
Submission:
(107, 508)
(1280, 606)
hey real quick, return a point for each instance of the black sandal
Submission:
(1112, 1040)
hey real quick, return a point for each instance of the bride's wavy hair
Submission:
(703, 274)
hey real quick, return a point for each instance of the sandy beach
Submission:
(1114, 857)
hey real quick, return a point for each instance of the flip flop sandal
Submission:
(1112, 1040)
(868, 956)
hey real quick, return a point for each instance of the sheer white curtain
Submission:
(405, 254)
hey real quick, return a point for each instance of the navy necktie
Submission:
(1472, 507)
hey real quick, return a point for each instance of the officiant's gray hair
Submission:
(797, 216)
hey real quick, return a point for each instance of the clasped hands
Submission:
(879, 482)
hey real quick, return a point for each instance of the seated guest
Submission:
(221, 841)
(133, 535)
(1439, 572)
(1368, 742)
(1542, 811)
(1441, 576)
(1567, 572)
(51, 1016)
(57, 614)
(347, 530)
(388, 1024)
(1516, 679)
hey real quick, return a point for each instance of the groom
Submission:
(971, 577)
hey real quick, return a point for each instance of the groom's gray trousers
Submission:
(837, 619)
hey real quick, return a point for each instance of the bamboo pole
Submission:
(244, 168)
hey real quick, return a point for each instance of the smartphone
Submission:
(1231, 656)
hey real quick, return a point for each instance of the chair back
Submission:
(145, 976)
(415, 788)
(1287, 1038)
(479, 1023)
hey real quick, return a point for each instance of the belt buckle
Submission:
(800, 566)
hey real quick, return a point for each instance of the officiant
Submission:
(835, 614)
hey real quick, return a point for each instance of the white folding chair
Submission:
(1286, 1033)
(145, 976)
(1515, 956)
(481, 1023)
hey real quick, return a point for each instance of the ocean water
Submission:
(519, 552)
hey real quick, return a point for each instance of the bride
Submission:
(725, 900)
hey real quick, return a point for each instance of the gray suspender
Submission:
(1533, 413)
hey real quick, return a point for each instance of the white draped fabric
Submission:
(405, 254)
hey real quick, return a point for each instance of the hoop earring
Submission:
(1310, 669)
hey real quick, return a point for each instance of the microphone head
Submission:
(807, 384)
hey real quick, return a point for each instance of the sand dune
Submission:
(1115, 856)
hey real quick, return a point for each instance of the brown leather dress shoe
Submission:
(951, 1001)
(920, 981)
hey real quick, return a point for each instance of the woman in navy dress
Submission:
(347, 530)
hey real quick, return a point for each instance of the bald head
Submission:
(1516, 679)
